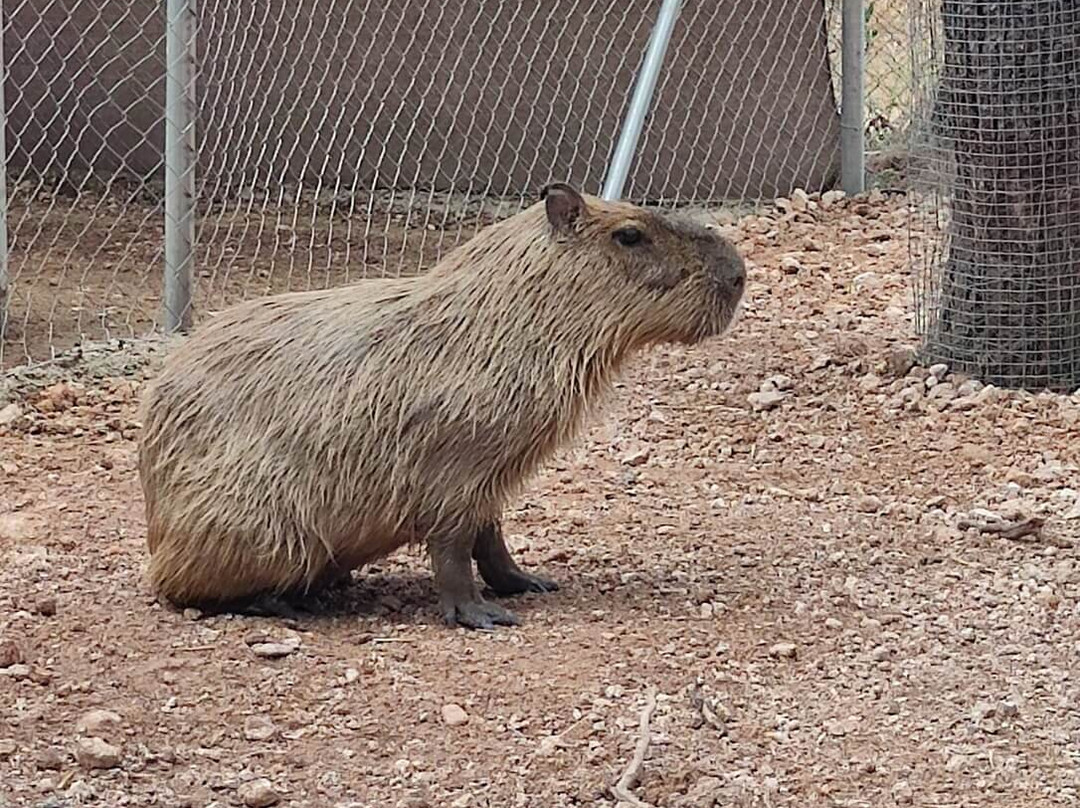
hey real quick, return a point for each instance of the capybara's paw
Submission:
(519, 582)
(479, 614)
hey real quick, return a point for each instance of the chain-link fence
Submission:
(997, 235)
(337, 139)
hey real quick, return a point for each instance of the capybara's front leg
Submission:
(459, 597)
(498, 568)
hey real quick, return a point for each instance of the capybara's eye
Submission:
(628, 236)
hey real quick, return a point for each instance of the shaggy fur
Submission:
(296, 437)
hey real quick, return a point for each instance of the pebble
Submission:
(10, 654)
(259, 728)
(46, 606)
(258, 794)
(842, 726)
(272, 649)
(764, 401)
(17, 527)
(939, 371)
(830, 198)
(639, 458)
(454, 716)
(902, 794)
(7, 748)
(777, 382)
(94, 753)
(900, 361)
(784, 650)
(18, 672)
(790, 265)
(868, 504)
(10, 414)
(49, 760)
(100, 723)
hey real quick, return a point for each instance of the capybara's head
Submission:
(684, 281)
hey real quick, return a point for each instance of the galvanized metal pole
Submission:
(852, 98)
(180, 111)
(641, 100)
(3, 188)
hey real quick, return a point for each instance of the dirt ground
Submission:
(788, 537)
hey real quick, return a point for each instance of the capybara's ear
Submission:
(564, 206)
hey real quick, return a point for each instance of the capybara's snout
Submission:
(727, 272)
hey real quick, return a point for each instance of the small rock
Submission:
(268, 648)
(864, 279)
(833, 623)
(939, 371)
(10, 414)
(983, 710)
(842, 726)
(943, 392)
(970, 387)
(454, 716)
(777, 382)
(790, 265)
(46, 606)
(764, 401)
(259, 728)
(868, 503)
(258, 794)
(17, 527)
(800, 200)
(638, 458)
(830, 198)
(880, 654)
(902, 794)
(49, 760)
(7, 748)
(784, 650)
(548, 745)
(8, 467)
(94, 753)
(963, 404)
(869, 382)
(102, 723)
(10, 654)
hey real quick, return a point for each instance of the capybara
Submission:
(297, 437)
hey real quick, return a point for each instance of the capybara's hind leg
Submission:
(499, 570)
(459, 598)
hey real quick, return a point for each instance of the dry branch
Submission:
(621, 790)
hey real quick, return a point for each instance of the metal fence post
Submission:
(3, 186)
(180, 111)
(642, 99)
(853, 101)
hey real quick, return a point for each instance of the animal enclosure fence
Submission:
(339, 139)
(997, 240)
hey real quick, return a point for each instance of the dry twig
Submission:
(621, 790)
(1015, 531)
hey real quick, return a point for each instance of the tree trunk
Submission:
(1008, 116)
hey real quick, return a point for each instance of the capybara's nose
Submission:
(729, 271)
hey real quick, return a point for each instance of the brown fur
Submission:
(298, 436)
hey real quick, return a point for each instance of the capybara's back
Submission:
(297, 437)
